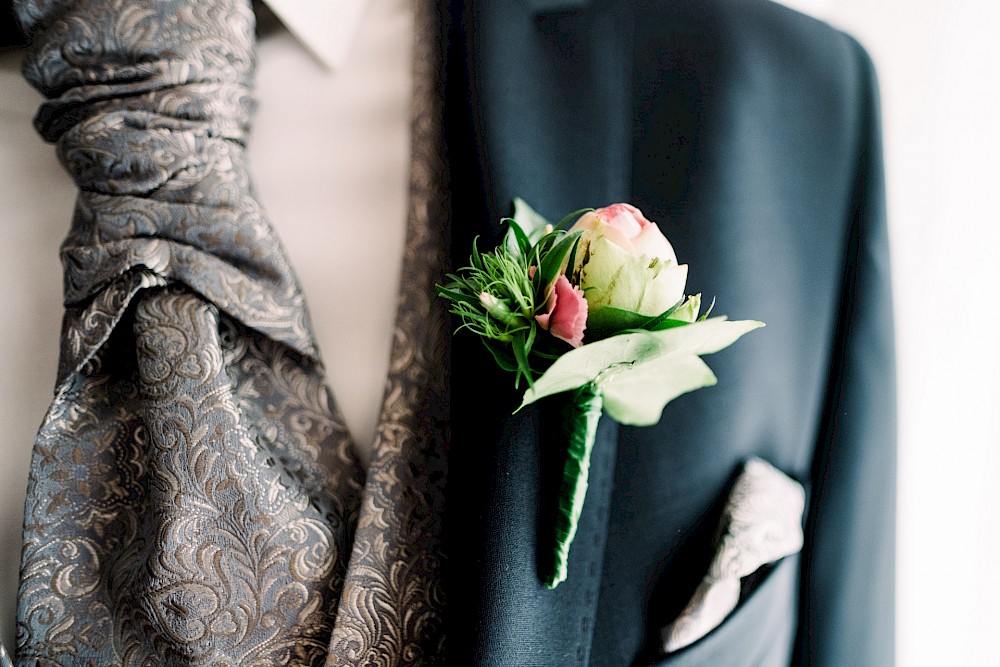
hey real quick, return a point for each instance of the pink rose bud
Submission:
(625, 217)
(565, 315)
(627, 227)
(625, 262)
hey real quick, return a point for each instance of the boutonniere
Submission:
(594, 306)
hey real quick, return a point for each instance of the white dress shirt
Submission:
(330, 155)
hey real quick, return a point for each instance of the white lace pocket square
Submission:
(761, 524)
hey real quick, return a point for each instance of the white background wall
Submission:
(939, 68)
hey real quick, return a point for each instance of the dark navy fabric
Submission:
(750, 133)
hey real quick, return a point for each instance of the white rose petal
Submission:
(666, 290)
(652, 243)
(614, 277)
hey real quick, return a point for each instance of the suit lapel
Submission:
(538, 106)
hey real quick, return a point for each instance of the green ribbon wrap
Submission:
(580, 419)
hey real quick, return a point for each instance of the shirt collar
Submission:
(325, 27)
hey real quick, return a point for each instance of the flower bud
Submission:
(498, 309)
(624, 262)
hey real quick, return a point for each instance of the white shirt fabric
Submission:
(330, 155)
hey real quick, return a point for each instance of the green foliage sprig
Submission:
(499, 293)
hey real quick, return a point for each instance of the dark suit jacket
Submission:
(751, 134)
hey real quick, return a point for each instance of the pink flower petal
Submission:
(624, 217)
(565, 315)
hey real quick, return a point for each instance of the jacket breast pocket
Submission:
(760, 632)
(745, 607)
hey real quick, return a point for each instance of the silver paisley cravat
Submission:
(761, 523)
(194, 498)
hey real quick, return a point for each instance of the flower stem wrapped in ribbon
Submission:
(593, 306)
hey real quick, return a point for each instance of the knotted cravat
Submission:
(193, 496)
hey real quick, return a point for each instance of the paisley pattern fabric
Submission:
(391, 611)
(761, 524)
(194, 498)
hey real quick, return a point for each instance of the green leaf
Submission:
(572, 217)
(552, 262)
(638, 398)
(542, 247)
(456, 295)
(571, 263)
(501, 354)
(477, 262)
(639, 373)
(530, 221)
(686, 311)
(708, 312)
(517, 239)
(608, 321)
(668, 323)
(580, 419)
(532, 332)
(523, 365)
